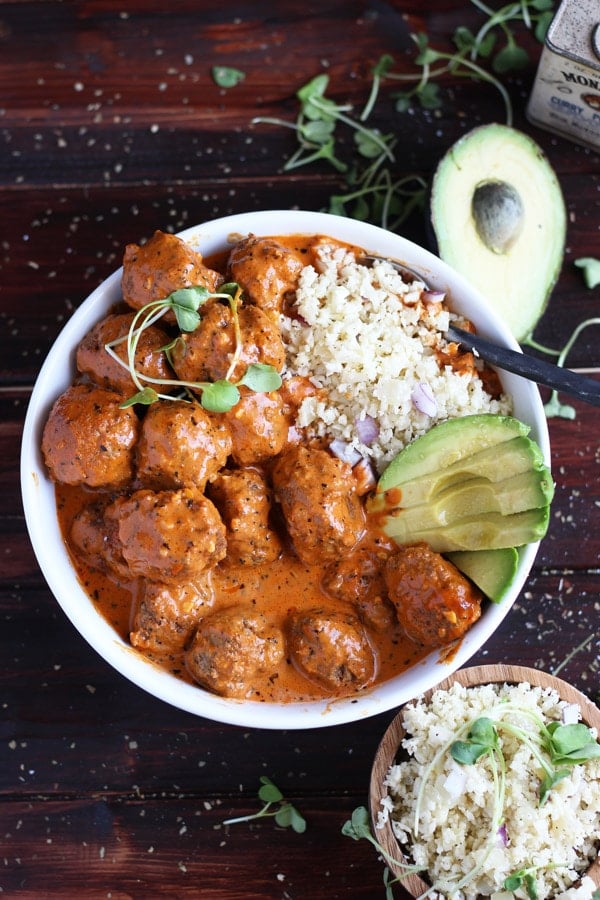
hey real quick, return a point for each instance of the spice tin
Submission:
(566, 94)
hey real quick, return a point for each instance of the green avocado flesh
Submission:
(491, 570)
(499, 217)
(475, 483)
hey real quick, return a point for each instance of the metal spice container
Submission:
(566, 94)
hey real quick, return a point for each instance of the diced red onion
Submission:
(423, 399)
(346, 452)
(367, 429)
(570, 714)
(433, 296)
(503, 835)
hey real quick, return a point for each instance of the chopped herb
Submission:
(285, 814)
(217, 396)
(591, 270)
(227, 76)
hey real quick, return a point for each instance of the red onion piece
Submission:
(433, 296)
(423, 399)
(503, 835)
(345, 452)
(367, 430)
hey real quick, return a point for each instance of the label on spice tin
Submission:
(566, 94)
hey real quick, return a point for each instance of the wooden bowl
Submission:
(388, 748)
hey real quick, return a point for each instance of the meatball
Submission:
(206, 353)
(359, 579)
(266, 271)
(167, 536)
(96, 362)
(95, 539)
(331, 647)
(231, 647)
(243, 499)
(324, 517)
(165, 615)
(162, 265)
(435, 603)
(259, 426)
(181, 445)
(88, 439)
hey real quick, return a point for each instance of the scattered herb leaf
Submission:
(227, 76)
(591, 270)
(286, 815)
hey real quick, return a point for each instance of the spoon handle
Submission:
(530, 367)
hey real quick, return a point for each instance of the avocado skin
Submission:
(476, 483)
(517, 282)
(491, 570)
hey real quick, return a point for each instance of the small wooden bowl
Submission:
(388, 748)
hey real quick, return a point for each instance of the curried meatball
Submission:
(230, 647)
(324, 517)
(165, 615)
(94, 360)
(206, 353)
(167, 536)
(243, 499)
(162, 265)
(331, 647)
(95, 539)
(266, 271)
(359, 579)
(259, 426)
(181, 445)
(434, 602)
(88, 440)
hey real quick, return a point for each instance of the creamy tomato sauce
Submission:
(275, 588)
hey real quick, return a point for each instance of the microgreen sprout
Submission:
(227, 76)
(358, 828)
(285, 814)
(591, 270)
(217, 396)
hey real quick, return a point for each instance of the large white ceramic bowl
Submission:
(40, 512)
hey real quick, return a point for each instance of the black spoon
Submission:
(556, 377)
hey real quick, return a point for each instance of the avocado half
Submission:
(499, 218)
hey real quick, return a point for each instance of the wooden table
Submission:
(112, 126)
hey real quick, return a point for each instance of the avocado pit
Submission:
(498, 212)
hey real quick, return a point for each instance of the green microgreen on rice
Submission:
(218, 396)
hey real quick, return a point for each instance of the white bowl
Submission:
(40, 510)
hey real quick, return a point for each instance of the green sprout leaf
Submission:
(591, 270)
(286, 815)
(145, 397)
(227, 76)
(510, 59)
(261, 377)
(220, 396)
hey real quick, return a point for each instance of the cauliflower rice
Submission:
(369, 340)
(455, 817)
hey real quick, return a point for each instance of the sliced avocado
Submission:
(448, 443)
(491, 570)
(474, 483)
(478, 496)
(495, 464)
(498, 216)
(491, 531)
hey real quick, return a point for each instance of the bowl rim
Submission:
(474, 676)
(54, 376)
